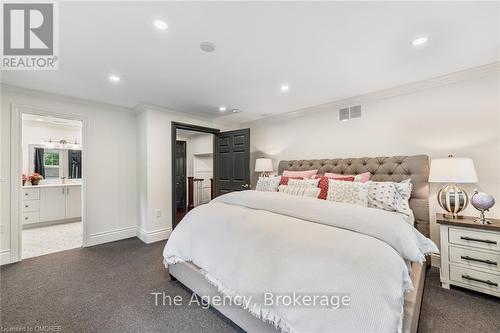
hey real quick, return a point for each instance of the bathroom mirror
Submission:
(55, 163)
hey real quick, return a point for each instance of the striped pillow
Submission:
(311, 192)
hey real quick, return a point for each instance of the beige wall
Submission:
(462, 118)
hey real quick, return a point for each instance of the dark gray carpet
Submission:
(107, 288)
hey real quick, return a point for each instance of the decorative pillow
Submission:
(268, 184)
(303, 182)
(303, 174)
(390, 196)
(362, 177)
(323, 185)
(284, 180)
(348, 192)
(311, 192)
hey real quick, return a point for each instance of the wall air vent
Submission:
(350, 113)
(344, 114)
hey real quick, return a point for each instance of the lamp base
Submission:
(453, 217)
(453, 199)
(264, 174)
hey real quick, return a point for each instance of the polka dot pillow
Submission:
(390, 196)
(350, 192)
(268, 184)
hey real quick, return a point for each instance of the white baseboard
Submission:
(110, 236)
(5, 257)
(436, 260)
(153, 236)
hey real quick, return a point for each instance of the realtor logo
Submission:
(29, 36)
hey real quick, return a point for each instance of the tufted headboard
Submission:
(396, 168)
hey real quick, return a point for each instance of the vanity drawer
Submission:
(32, 217)
(31, 206)
(479, 239)
(475, 278)
(475, 258)
(31, 194)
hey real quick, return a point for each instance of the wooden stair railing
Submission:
(191, 181)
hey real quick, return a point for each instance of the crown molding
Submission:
(405, 89)
(7, 88)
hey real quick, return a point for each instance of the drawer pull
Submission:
(488, 282)
(489, 262)
(26, 218)
(487, 241)
(26, 206)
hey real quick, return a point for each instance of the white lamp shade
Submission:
(263, 165)
(452, 170)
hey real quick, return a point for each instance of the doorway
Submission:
(51, 192)
(210, 163)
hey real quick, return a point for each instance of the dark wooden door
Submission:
(232, 161)
(180, 174)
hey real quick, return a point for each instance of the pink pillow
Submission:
(303, 174)
(362, 177)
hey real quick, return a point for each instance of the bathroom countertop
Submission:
(53, 185)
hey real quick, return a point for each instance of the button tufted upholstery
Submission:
(396, 168)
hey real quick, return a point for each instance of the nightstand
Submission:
(470, 254)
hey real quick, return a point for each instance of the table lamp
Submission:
(452, 171)
(264, 166)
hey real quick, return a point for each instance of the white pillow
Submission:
(308, 183)
(348, 192)
(391, 196)
(312, 192)
(268, 184)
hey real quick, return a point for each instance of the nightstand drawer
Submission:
(475, 258)
(31, 206)
(475, 278)
(479, 239)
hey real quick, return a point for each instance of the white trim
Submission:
(111, 236)
(5, 257)
(16, 170)
(153, 236)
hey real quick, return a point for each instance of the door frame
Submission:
(174, 127)
(16, 166)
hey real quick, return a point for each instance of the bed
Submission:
(193, 268)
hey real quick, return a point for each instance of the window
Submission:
(51, 163)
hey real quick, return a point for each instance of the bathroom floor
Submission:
(49, 239)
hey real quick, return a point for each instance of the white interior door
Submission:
(52, 203)
(73, 202)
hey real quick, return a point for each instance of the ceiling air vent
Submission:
(350, 113)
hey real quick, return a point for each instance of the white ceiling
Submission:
(325, 51)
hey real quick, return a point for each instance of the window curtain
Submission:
(75, 164)
(39, 165)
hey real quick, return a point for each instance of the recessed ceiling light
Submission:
(39, 119)
(285, 88)
(222, 108)
(160, 25)
(236, 111)
(207, 46)
(419, 41)
(114, 78)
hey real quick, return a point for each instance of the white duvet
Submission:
(252, 244)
